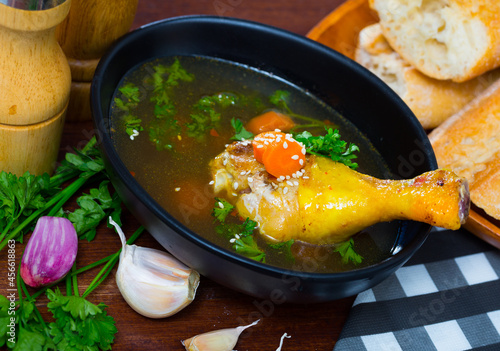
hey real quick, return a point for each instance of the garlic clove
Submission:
(217, 340)
(154, 283)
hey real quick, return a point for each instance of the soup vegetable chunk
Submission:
(174, 118)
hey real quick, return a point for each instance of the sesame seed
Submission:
(295, 157)
(243, 172)
(221, 205)
(250, 179)
(289, 183)
(212, 182)
(177, 189)
(260, 146)
(281, 178)
(237, 236)
(224, 162)
(277, 130)
(296, 183)
(232, 240)
(287, 177)
(235, 185)
(301, 162)
(285, 190)
(305, 177)
(303, 151)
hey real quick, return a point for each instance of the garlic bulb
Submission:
(154, 283)
(217, 340)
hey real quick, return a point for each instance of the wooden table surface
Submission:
(311, 327)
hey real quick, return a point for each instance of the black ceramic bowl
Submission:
(353, 91)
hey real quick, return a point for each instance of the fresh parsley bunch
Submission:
(78, 325)
(26, 198)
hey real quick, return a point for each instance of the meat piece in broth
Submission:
(328, 202)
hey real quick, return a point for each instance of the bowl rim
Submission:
(397, 259)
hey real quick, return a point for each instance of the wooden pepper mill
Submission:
(88, 31)
(35, 84)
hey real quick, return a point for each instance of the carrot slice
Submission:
(281, 154)
(261, 142)
(214, 132)
(269, 121)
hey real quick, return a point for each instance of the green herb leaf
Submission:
(280, 99)
(129, 100)
(347, 252)
(221, 209)
(284, 248)
(131, 92)
(86, 164)
(93, 208)
(163, 133)
(30, 340)
(240, 132)
(4, 320)
(205, 116)
(175, 74)
(80, 323)
(330, 145)
(165, 128)
(225, 100)
(29, 333)
(240, 235)
(20, 197)
(133, 125)
(246, 246)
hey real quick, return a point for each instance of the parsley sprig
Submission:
(205, 115)
(240, 132)
(164, 128)
(347, 252)
(330, 145)
(129, 100)
(240, 235)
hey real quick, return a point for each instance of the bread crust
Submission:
(431, 100)
(444, 39)
(469, 144)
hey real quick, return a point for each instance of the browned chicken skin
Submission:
(329, 202)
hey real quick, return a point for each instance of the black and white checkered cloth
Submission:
(446, 298)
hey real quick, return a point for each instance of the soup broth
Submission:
(173, 166)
